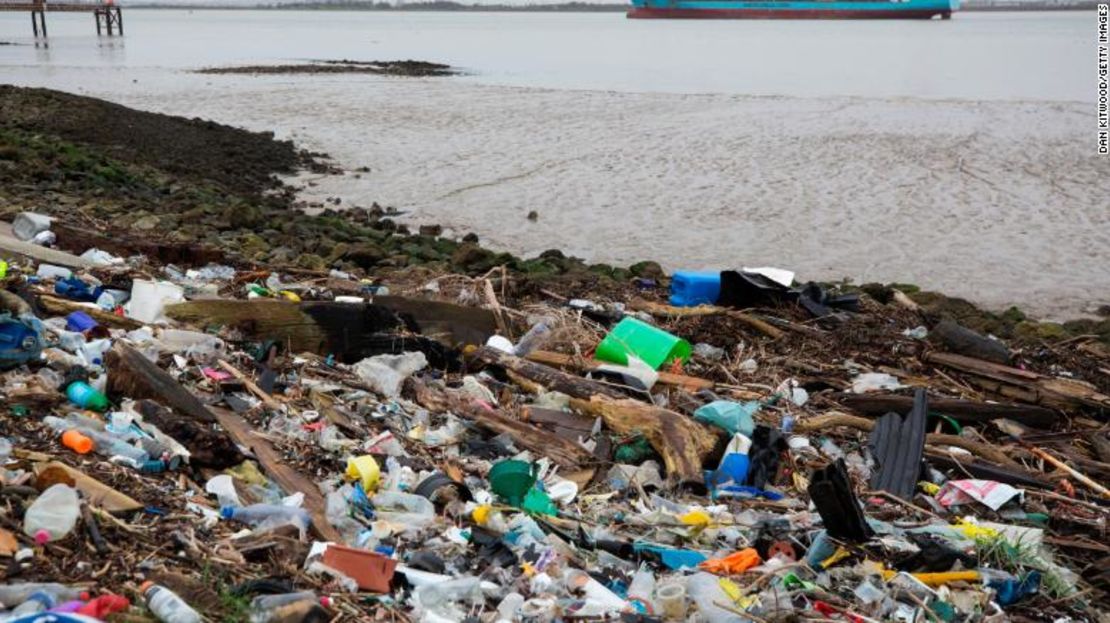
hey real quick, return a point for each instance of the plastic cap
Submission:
(325, 601)
(42, 537)
(146, 586)
(79, 443)
(227, 512)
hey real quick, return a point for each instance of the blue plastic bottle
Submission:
(689, 288)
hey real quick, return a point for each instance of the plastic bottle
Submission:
(38, 601)
(533, 339)
(12, 595)
(509, 607)
(605, 600)
(83, 395)
(255, 514)
(52, 515)
(79, 443)
(705, 590)
(5, 449)
(92, 353)
(641, 591)
(273, 608)
(167, 606)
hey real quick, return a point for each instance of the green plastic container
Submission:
(512, 480)
(654, 346)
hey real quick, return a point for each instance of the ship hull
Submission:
(791, 9)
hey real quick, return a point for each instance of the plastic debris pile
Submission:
(234, 443)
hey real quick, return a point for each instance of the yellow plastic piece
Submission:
(364, 469)
(972, 530)
(3, 269)
(290, 296)
(838, 555)
(696, 518)
(937, 579)
(928, 487)
(731, 589)
(481, 514)
(247, 471)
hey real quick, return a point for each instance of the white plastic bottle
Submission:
(12, 595)
(52, 515)
(167, 606)
(38, 601)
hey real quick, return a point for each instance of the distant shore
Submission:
(562, 7)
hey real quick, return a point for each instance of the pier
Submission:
(107, 15)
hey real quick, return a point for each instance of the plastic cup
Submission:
(654, 346)
(365, 470)
(512, 480)
(672, 601)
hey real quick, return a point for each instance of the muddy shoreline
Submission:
(195, 189)
(406, 68)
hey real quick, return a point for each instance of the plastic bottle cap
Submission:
(325, 601)
(42, 537)
(227, 512)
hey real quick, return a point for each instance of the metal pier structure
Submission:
(106, 13)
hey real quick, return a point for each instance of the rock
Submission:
(471, 257)
(431, 230)
(364, 254)
(311, 261)
(647, 270)
(533, 216)
(146, 223)
(471, 238)
(243, 216)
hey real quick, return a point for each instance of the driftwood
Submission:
(683, 443)
(559, 360)
(563, 451)
(659, 309)
(61, 307)
(135, 376)
(267, 400)
(964, 410)
(97, 493)
(1024, 385)
(350, 331)
(832, 420)
(286, 477)
(956, 338)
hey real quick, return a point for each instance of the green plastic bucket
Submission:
(512, 480)
(654, 346)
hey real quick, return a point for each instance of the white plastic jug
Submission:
(149, 299)
(52, 515)
(27, 224)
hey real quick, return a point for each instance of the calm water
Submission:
(1044, 56)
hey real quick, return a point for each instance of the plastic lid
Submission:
(145, 586)
(42, 537)
(325, 601)
(227, 512)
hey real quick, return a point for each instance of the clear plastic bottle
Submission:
(167, 606)
(641, 591)
(38, 601)
(256, 514)
(52, 515)
(14, 594)
(271, 608)
(533, 339)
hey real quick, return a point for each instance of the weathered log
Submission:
(683, 443)
(1024, 385)
(958, 339)
(964, 410)
(559, 360)
(135, 376)
(831, 420)
(562, 451)
(659, 309)
(61, 307)
(289, 479)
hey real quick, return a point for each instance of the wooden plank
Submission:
(290, 480)
(61, 307)
(559, 360)
(964, 410)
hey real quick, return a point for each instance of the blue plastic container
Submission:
(79, 322)
(690, 288)
(19, 342)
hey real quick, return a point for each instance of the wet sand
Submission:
(1003, 203)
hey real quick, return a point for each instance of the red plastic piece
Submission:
(370, 570)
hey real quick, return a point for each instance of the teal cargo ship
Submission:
(794, 9)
